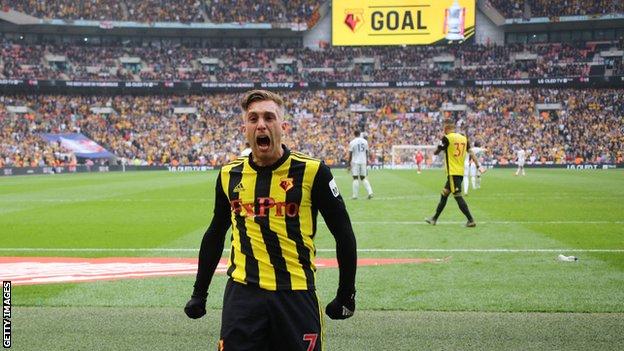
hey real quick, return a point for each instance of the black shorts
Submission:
(453, 184)
(261, 320)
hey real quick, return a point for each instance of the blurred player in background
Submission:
(271, 200)
(246, 151)
(520, 160)
(455, 146)
(473, 173)
(419, 160)
(358, 156)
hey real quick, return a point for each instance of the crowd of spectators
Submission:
(177, 62)
(148, 130)
(185, 11)
(549, 8)
(267, 11)
(556, 8)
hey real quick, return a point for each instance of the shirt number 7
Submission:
(311, 339)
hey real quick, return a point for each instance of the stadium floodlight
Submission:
(403, 156)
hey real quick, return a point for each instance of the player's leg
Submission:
(463, 206)
(473, 175)
(446, 191)
(355, 172)
(355, 187)
(523, 169)
(364, 179)
(296, 322)
(244, 321)
(465, 180)
(367, 186)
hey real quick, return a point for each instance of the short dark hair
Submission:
(260, 95)
(356, 133)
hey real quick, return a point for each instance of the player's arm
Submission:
(327, 199)
(471, 154)
(209, 253)
(442, 146)
(474, 159)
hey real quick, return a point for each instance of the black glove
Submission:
(342, 307)
(196, 307)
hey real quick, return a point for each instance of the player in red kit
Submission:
(419, 159)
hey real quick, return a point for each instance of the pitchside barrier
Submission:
(184, 87)
(10, 171)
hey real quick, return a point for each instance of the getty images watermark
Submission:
(6, 314)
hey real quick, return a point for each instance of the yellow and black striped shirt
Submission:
(273, 212)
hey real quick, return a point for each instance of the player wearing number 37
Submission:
(455, 146)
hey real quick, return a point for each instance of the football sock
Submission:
(356, 188)
(474, 182)
(441, 205)
(367, 186)
(465, 185)
(463, 206)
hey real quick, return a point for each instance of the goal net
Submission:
(404, 156)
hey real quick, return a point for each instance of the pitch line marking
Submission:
(207, 199)
(487, 222)
(42, 270)
(494, 250)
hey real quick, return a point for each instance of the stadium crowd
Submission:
(152, 130)
(557, 8)
(175, 62)
(267, 11)
(185, 11)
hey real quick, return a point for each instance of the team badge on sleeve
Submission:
(334, 187)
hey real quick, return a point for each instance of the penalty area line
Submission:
(493, 250)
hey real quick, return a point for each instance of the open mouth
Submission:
(263, 142)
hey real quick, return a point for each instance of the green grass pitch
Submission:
(501, 287)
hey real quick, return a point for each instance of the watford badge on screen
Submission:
(354, 19)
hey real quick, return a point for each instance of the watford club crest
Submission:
(354, 19)
(286, 183)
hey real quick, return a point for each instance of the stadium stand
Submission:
(184, 11)
(169, 62)
(153, 130)
(556, 8)
(147, 130)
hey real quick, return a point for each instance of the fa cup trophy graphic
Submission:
(455, 22)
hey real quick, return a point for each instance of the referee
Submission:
(271, 199)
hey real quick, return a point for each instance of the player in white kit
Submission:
(520, 159)
(358, 155)
(247, 151)
(470, 168)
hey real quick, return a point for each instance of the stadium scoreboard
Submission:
(402, 22)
